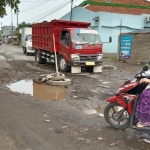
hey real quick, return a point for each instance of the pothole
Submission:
(39, 91)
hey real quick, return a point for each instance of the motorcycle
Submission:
(120, 111)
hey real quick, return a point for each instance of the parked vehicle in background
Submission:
(0, 41)
(76, 45)
(26, 40)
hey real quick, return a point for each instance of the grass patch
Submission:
(114, 58)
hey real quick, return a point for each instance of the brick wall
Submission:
(140, 51)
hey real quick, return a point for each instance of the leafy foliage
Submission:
(12, 3)
(24, 24)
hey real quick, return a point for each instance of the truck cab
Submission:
(80, 47)
(28, 43)
(26, 40)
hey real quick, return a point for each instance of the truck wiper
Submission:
(83, 38)
(95, 43)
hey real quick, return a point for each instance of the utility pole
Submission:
(1, 30)
(17, 19)
(12, 24)
(71, 10)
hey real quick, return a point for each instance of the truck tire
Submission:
(24, 50)
(38, 57)
(27, 53)
(62, 65)
(45, 61)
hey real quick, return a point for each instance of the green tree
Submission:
(12, 3)
(24, 24)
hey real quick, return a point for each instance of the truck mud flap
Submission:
(75, 69)
(97, 69)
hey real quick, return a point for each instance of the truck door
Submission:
(64, 44)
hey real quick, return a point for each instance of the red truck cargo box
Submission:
(42, 33)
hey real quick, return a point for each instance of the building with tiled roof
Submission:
(134, 7)
(112, 18)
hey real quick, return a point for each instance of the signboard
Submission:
(89, 31)
(125, 46)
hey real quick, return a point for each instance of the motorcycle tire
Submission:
(116, 113)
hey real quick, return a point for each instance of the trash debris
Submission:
(101, 115)
(106, 82)
(94, 91)
(100, 138)
(103, 86)
(112, 144)
(108, 66)
(47, 120)
(80, 139)
(146, 140)
(75, 97)
(45, 115)
(91, 111)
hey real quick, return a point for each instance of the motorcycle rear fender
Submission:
(118, 99)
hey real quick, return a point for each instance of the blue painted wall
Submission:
(109, 24)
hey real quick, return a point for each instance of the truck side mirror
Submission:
(110, 39)
(26, 39)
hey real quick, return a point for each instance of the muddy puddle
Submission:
(39, 91)
(100, 110)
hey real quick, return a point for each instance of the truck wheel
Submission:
(45, 61)
(38, 57)
(63, 65)
(27, 53)
(24, 50)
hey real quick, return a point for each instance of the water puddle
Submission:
(39, 91)
(98, 110)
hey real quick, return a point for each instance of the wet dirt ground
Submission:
(74, 120)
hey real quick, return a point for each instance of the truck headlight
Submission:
(75, 57)
(99, 57)
(29, 48)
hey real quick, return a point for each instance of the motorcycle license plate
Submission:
(90, 63)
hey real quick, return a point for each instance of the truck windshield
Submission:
(29, 37)
(85, 38)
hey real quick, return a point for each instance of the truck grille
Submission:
(84, 58)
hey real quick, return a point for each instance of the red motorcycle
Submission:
(120, 112)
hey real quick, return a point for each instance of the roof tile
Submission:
(121, 10)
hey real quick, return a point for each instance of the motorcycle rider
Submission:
(143, 107)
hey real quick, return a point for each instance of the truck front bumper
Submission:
(30, 50)
(85, 64)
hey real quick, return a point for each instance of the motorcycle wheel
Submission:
(117, 116)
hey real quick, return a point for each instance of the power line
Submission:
(47, 12)
(38, 4)
(53, 11)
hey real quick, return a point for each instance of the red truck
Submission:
(76, 45)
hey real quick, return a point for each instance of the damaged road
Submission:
(74, 122)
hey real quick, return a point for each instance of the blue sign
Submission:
(125, 46)
(78, 31)
(78, 46)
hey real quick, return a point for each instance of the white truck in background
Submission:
(26, 40)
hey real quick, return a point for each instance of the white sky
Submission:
(33, 10)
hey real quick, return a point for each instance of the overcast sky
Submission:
(39, 10)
